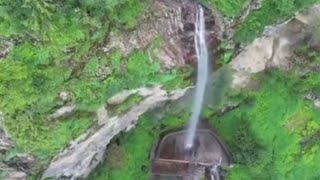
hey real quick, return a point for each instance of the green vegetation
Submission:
(135, 146)
(29, 95)
(272, 11)
(274, 134)
(224, 54)
(57, 48)
(229, 9)
(35, 16)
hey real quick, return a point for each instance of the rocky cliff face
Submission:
(275, 49)
(173, 21)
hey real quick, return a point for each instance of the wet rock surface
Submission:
(173, 21)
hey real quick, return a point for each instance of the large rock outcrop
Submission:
(276, 47)
(85, 153)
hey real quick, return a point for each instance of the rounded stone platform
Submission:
(171, 160)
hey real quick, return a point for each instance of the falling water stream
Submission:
(202, 76)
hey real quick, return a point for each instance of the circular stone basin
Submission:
(171, 160)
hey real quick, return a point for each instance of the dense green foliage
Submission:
(35, 16)
(29, 93)
(52, 40)
(269, 136)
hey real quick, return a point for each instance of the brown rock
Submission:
(172, 20)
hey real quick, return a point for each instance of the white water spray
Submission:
(202, 76)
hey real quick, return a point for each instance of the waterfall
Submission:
(202, 75)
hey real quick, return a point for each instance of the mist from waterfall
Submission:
(202, 75)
